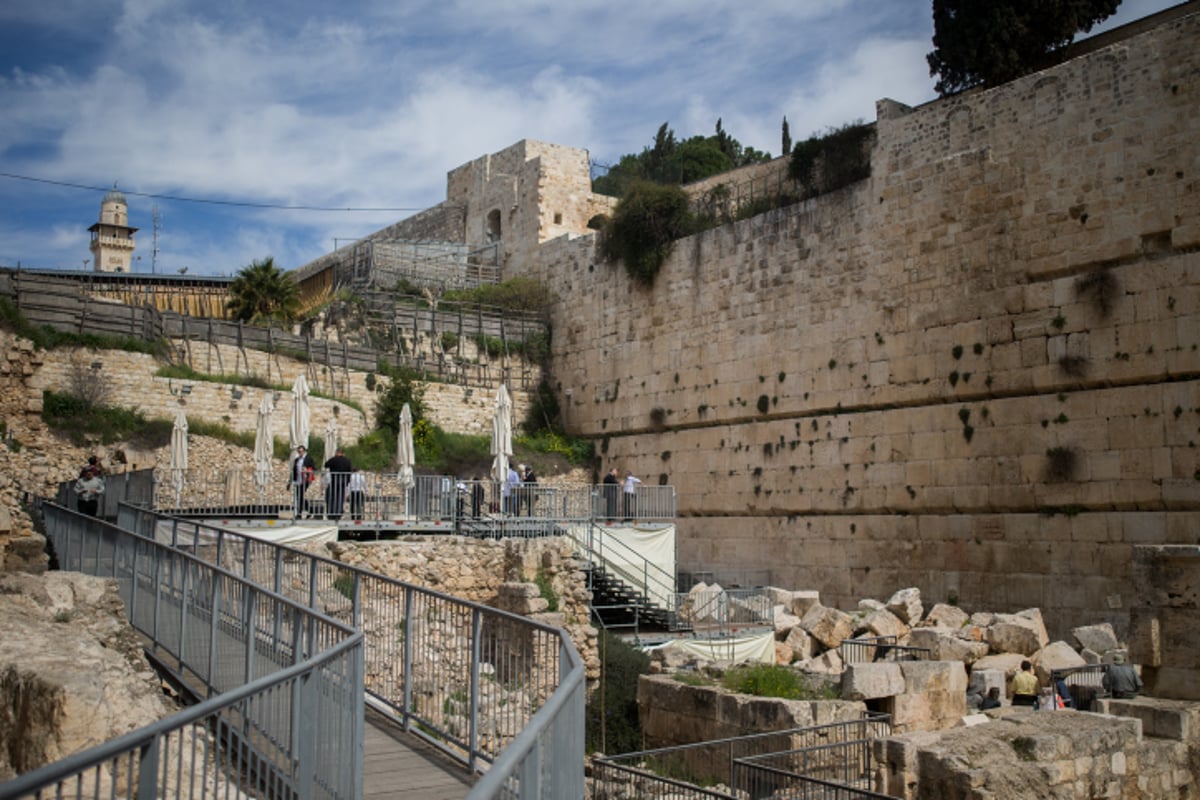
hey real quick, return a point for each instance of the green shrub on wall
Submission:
(644, 228)
(837, 158)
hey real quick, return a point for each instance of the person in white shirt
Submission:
(630, 495)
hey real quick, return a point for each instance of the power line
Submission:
(176, 198)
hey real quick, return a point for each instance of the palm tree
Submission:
(262, 292)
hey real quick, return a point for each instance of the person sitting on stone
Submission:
(1025, 686)
(992, 700)
(1121, 680)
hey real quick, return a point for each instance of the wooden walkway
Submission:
(399, 764)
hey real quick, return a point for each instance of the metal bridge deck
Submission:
(399, 764)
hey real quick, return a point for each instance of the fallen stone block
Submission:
(872, 681)
(1056, 655)
(906, 604)
(1099, 638)
(803, 600)
(829, 626)
(945, 616)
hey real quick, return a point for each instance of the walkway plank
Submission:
(399, 764)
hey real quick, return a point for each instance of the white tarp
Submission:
(625, 549)
(736, 649)
(189, 535)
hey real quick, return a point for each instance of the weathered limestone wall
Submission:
(673, 713)
(133, 383)
(897, 383)
(485, 571)
(1065, 754)
(1164, 637)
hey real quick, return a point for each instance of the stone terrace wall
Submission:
(895, 384)
(131, 376)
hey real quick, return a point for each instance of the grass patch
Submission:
(546, 590)
(772, 680)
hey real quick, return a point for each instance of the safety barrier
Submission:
(483, 685)
(759, 765)
(880, 648)
(284, 715)
(375, 498)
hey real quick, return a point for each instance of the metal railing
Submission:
(378, 498)
(1085, 685)
(724, 611)
(483, 685)
(713, 769)
(880, 648)
(136, 486)
(283, 716)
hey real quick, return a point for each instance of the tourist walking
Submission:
(89, 488)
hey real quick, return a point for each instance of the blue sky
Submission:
(369, 103)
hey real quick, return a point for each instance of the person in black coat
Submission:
(611, 488)
(338, 469)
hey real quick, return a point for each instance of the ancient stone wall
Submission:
(133, 384)
(485, 571)
(976, 372)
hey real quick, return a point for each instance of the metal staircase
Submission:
(628, 592)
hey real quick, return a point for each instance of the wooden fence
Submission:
(59, 303)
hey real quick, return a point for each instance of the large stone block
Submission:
(1097, 638)
(945, 646)
(906, 604)
(883, 623)
(829, 626)
(1056, 655)
(945, 616)
(1023, 633)
(872, 681)
(801, 643)
(804, 600)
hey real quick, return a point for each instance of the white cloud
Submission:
(844, 91)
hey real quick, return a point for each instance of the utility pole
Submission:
(154, 247)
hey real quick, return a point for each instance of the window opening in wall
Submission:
(558, 218)
(493, 225)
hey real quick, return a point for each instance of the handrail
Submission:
(654, 583)
(249, 720)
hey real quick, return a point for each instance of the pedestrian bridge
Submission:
(315, 679)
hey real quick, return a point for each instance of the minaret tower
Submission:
(112, 238)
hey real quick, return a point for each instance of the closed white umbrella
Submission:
(298, 425)
(179, 454)
(501, 435)
(331, 437)
(264, 443)
(406, 456)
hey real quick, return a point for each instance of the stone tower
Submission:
(112, 238)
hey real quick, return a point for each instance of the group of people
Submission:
(1120, 680)
(342, 482)
(517, 494)
(89, 487)
(627, 489)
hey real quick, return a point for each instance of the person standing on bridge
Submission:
(338, 469)
(301, 472)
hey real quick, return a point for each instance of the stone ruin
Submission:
(941, 747)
